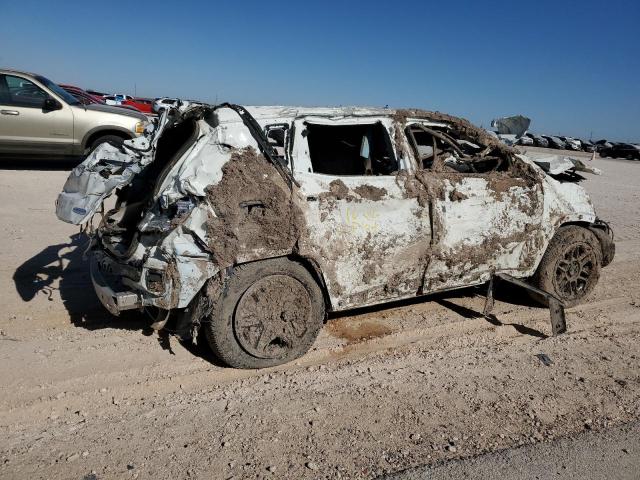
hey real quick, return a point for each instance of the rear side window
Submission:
(351, 149)
(23, 93)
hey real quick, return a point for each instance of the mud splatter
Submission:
(460, 127)
(337, 191)
(398, 136)
(369, 192)
(255, 209)
(457, 196)
(368, 273)
(499, 184)
(413, 188)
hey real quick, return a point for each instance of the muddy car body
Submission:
(253, 223)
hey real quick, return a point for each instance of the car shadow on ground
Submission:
(63, 264)
(491, 318)
(62, 267)
(503, 292)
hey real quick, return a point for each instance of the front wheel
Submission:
(268, 313)
(570, 268)
(113, 139)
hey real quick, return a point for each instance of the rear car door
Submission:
(367, 234)
(486, 212)
(25, 126)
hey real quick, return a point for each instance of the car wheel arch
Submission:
(221, 276)
(312, 266)
(602, 233)
(98, 132)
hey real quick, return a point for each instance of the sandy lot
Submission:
(86, 395)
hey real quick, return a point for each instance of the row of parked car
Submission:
(603, 147)
(147, 106)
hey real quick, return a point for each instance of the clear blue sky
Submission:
(573, 67)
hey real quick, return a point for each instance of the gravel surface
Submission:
(86, 395)
(612, 454)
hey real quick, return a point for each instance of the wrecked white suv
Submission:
(253, 223)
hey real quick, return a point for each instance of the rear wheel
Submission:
(570, 268)
(269, 313)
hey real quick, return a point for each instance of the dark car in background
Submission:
(587, 146)
(555, 142)
(538, 140)
(601, 144)
(629, 151)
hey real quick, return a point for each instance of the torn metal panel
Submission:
(556, 165)
(106, 169)
(486, 224)
(515, 125)
(369, 237)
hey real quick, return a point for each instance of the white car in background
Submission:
(111, 100)
(163, 103)
(116, 99)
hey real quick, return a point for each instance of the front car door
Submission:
(486, 209)
(25, 126)
(369, 236)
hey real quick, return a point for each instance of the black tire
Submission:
(104, 139)
(268, 313)
(570, 268)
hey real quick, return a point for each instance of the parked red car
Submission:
(83, 96)
(142, 104)
(87, 98)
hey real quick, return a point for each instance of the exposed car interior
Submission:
(436, 145)
(350, 149)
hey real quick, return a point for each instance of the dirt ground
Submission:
(86, 395)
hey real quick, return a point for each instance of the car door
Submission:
(367, 234)
(486, 215)
(25, 126)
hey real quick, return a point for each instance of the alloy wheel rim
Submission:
(573, 271)
(271, 317)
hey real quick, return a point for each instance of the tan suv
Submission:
(37, 117)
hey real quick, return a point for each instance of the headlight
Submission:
(140, 127)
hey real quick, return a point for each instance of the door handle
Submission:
(9, 112)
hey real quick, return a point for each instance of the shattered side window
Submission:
(350, 149)
(276, 136)
(440, 150)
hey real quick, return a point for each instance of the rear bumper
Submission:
(111, 295)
